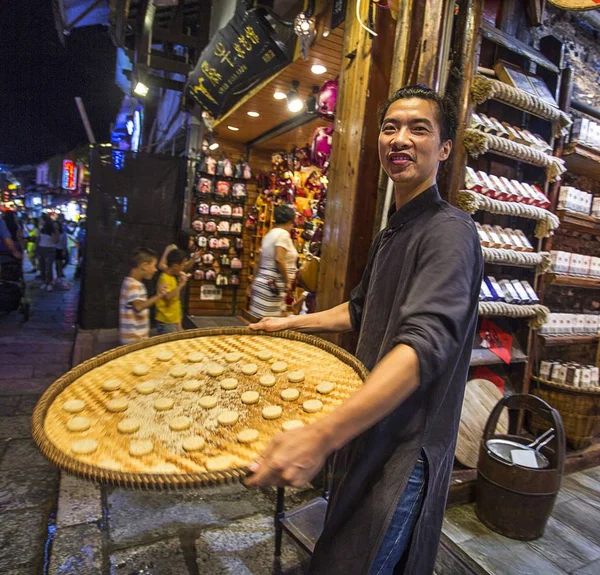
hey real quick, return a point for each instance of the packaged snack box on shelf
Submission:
(579, 130)
(596, 207)
(476, 122)
(567, 199)
(559, 373)
(483, 237)
(512, 133)
(595, 375)
(522, 192)
(504, 237)
(586, 264)
(544, 202)
(524, 241)
(494, 237)
(513, 193)
(473, 181)
(516, 240)
(586, 377)
(498, 293)
(595, 267)
(523, 295)
(560, 261)
(487, 125)
(580, 323)
(500, 129)
(488, 187)
(485, 294)
(533, 298)
(545, 369)
(510, 294)
(501, 192)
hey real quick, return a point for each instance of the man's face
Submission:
(410, 147)
(149, 269)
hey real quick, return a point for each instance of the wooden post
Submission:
(354, 172)
(464, 50)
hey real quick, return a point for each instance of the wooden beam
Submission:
(172, 37)
(354, 172)
(465, 60)
(157, 62)
(287, 126)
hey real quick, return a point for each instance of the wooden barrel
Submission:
(513, 500)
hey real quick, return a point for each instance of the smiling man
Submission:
(416, 312)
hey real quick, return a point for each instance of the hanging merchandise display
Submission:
(327, 99)
(321, 146)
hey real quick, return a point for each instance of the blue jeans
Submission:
(162, 328)
(399, 533)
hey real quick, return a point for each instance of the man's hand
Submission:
(183, 278)
(291, 458)
(271, 324)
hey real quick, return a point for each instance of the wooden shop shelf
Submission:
(575, 222)
(582, 160)
(556, 340)
(572, 281)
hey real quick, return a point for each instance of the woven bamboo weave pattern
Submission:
(169, 465)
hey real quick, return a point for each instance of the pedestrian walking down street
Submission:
(47, 252)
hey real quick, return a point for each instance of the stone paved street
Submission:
(54, 523)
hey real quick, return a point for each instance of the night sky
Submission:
(39, 79)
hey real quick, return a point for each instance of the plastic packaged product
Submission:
(521, 292)
(545, 369)
(510, 294)
(487, 188)
(483, 236)
(472, 180)
(559, 373)
(533, 298)
(515, 240)
(596, 207)
(504, 237)
(526, 243)
(586, 377)
(585, 265)
(544, 202)
(595, 376)
(501, 192)
(500, 129)
(487, 124)
(494, 237)
(475, 123)
(484, 293)
(512, 133)
(513, 193)
(498, 293)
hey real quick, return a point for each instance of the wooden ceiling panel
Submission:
(297, 138)
(328, 52)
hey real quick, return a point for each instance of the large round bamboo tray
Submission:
(579, 408)
(169, 466)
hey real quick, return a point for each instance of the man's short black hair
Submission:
(446, 110)
(142, 256)
(175, 257)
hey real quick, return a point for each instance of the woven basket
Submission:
(48, 418)
(578, 407)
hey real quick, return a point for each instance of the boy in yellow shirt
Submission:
(173, 280)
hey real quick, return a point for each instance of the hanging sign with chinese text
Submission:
(69, 175)
(244, 51)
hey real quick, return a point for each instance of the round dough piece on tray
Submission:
(128, 425)
(118, 404)
(272, 412)
(233, 357)
(229, 383)
(84, 446)
(78, 423)
(178, 371)
(219, 463)
(192, 385)
(164, 355)
(292, 424)
(290, 394)
(208, 401)
(279, 367)
(312, 405)
(193, 443)
(140, 447)
(141, 369)
(215, 369)
(180, 423)
(296, 376)
(250, 397)
(163, 404)
(74, 405)
(228, 418)
(146, 387)
(267, 380)
(195, 357)
(325, 387)
(249, 369)
(111, 384)
(247, 435)
(264, 355)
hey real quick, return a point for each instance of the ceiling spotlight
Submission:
(295, 104)
(141, 89)
(253, 114)
(279, 95)
(326, 33)
(318, 69)
(213, 146)
(233, 128)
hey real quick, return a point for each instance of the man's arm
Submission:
(162, 264)
(334, 320)
(295, 457)
(141, 304)
(175, 292)
(8, 242)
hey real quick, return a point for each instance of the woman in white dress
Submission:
(277, 269)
